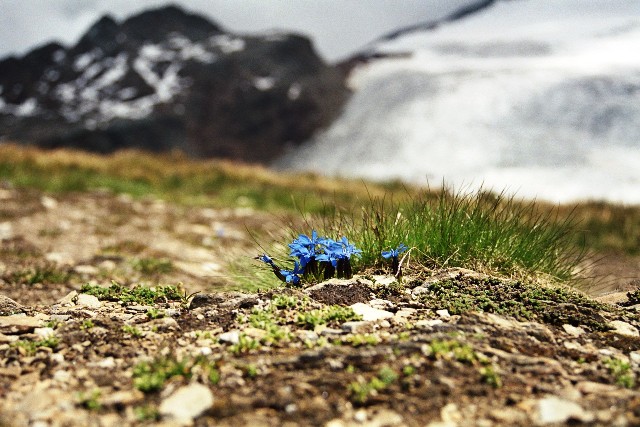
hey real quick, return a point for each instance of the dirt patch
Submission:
(341, 294)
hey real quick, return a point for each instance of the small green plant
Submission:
(358, 340)
(490, 376)
(87, 324)
(154, 313)
(244, 345)
(53, 324)
(621, 371)
(361, 390)
(47, 273)
(132, 330)
(408, 370)
(333, 313)
(146, 413)
(152, 266)
(268, 321)
(452, 349)
(250, 371)
(285, 301)
(90, 400)
(137, 295)
(30, 347)
(150, 376)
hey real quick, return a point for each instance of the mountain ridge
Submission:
(169, 79)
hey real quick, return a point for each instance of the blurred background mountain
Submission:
(540, 97)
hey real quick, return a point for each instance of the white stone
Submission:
(86, 269)
(381, 304)
(384, 280)
(231, 337)
(369, 313)
(635, 357)
(552, 410)
(107, 363)
(428, 323)
(451, 413)
(60, 258)
(89, 301)
(384, 324)
(573, 330)
(443, 313)
(49, 202)
(360, 416)
(62, 376)
(6, 230)
(187, 403)
(405, 312)
(68, 299)
(624, 328)
(572, 345)
(358, 327)
(44, 333)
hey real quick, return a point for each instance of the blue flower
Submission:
(292, 276)
(265, 258)
(349, 249)
(304, 247)
(394, 253)
(303, 253)
(306, 241)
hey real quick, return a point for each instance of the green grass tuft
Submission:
(478, 230)
(136, 295)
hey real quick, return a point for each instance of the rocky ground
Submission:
(439, 348)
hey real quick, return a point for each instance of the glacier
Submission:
(536, 98)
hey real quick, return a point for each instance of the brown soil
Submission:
(415, 367)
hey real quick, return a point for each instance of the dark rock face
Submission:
(167, 79)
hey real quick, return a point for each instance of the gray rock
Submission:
(405, 312)
(331, 332)
(187, 403)
(6, 230)
(231, 337)
(381, 304)
(89, 301)
(68, 299)
(226, 299)
(357, 327)
(428, 323)
(624, 328)
(369, 313)
(573, 330)
(553, 410)
(86, 269)
(9, 306)
(18, 324)
(444, 313)
(44, 333)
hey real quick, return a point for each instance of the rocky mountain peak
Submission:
(170, 79)
(157, 24)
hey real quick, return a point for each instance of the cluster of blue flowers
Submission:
(321, 257)
(316, 257)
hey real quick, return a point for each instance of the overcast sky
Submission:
(338, 27)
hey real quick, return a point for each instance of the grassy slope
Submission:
(602, 226)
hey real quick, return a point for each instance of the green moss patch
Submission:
(523, 301)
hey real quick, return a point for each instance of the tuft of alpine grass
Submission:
(489, 232)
